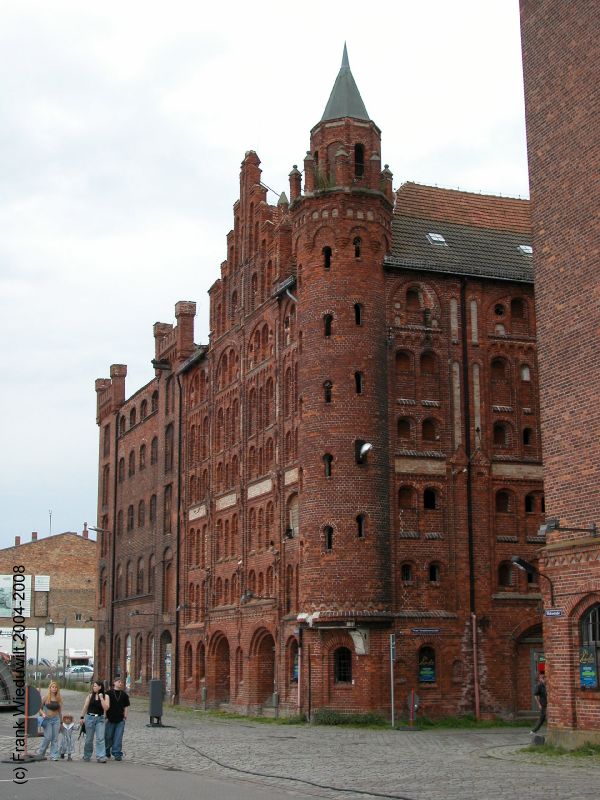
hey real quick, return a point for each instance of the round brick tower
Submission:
(341, 232)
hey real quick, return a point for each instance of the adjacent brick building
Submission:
(561, 58)
(354, 454)
(60, 573)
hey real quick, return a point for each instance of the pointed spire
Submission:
(345, 99)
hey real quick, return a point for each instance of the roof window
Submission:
(526, 249)
(437, 239)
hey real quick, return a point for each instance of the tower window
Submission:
(359, 382)
(357, 242)
(527, 437)
(358, 313)
(434, 573)
(327, 391)
(327, 257)
(406, 574)
(328, 537)
(430, 501)
(359, 160)
(530, 504)
(342, 665)
(328, 464)
(360, 526)
(361, 450)
(327, 324)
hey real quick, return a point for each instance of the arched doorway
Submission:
(265, 669)
(530, 660)
(221, 660)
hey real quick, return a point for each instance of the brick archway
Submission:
(263, 668)
(220, 668)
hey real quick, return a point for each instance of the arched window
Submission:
(342, 665)
(499, 369)
(141, 514)
(359, 382)
(327, 391)
(403, 362)
(429, 432)
(505, 574)
(406, 573)
(413, 301)
(357, 243)
(427, 669)
(406, 497)
(327, 257)
(525, 373)
(139, 581)
(503, 504)
(430, 499)
(590, 641)
(359, 160)
(154, 451)
(130, 518)
(153, 509)
(154, 402)
(404, 428)
(143, 457)
(144, 409)
(429, 364)
(131, 469)
(500, 434)
(435, 572)
(360, 526)
(132, 417)
(121, 470)
(327, 324)
(328, 464)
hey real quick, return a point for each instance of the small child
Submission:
(68, 729)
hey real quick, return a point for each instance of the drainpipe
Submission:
(113, 551)
(471, 542)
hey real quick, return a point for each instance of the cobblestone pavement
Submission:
(342, 763)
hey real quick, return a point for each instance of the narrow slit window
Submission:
(328, 537)
(359, 382)
(327, 257)
(328, 391)
(360, 526)
(358, 313)
(357, 242)
(327, 324)
(328, 464)
(359, 160)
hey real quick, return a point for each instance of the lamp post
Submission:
(553, 524)
(530, 569)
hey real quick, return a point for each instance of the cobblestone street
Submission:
(337, 762)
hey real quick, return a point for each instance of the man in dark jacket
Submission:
(541, 697)
(116, 717)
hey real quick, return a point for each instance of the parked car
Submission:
(80, 673)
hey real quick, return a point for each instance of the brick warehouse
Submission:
(316, 477)
(561, 57)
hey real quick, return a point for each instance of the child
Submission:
(68, 729)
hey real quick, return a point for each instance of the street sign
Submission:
(425, 631)
(553, 612)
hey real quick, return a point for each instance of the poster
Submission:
(588, 672)
(8, 603)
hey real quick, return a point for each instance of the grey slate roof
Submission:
(345, 99)
(470, 250)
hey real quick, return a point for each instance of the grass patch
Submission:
(556, 751)
(327, 716)
(468, 721)
(296, 719)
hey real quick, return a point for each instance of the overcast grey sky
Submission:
(122, 129)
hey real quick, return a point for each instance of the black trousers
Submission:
(541, 720)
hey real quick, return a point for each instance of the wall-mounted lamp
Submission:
(553, 524)
(362, 448)
(528, 567)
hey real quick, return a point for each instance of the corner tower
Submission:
(341, 233)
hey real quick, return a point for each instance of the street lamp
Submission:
(530, 569)
(553, 524)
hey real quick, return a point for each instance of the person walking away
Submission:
(541, 698)
(51, 718)
(116, 717)
(68, 729)
(95, 707)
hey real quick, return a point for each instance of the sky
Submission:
(122, 129)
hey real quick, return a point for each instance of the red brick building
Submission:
(561, 58)
(359, 452)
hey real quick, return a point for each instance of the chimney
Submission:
(85, 533)
(34, 536)
(17, 541)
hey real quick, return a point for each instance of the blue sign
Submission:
(553, 612)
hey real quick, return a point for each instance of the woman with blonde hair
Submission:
(51, 712)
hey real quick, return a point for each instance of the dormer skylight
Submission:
(526, 249)
(437, 239)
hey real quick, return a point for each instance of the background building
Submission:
(561, 58)
(60, 575)
(354, 454)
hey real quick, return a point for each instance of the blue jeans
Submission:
(50, 726)
(114, 739)
(94, 726)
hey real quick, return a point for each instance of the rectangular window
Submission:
(167, 509)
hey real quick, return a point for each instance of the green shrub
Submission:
(328, 716)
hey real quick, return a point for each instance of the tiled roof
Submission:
(482, 233)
